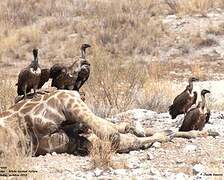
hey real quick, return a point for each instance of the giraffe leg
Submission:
(195, 133)
(129, 142)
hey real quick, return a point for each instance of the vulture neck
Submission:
(83, 53)
(34, 63)
(190, 86)
(203, 101)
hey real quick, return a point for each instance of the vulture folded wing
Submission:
(178, 104)
(23, 77)
(44, 77)
(190, 120)
(56, 70)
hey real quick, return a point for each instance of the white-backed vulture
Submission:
(71, 77)
(29, 77)
(184, 101)
(197, 117)
(44, 77)
(84, 71)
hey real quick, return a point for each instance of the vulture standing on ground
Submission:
(29, 77)
(71, 77)
(196, 118)
(184, 101)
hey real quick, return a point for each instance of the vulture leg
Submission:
(24, 90)
(35, 91)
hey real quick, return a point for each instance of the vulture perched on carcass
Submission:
(71, 77)
(29, 77)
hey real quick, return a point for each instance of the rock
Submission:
(138, 115)
(133, 152)
(190, 147)
(98, 172)
(198, 168)
(150, 156)
(156, 145)
(154, 171)
(48, 155)
(120, 172)
(134, 163)
(54, 154)
(180, 176)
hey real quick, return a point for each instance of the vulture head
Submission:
(193, 79)
(35, 59)
(84, 46)
(83, 50)
(204, 91)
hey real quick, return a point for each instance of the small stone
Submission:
(198, 168)
(98, 172)
(154, 171)
(156, 145)
(133, 165)
(150, 156)
(120, 171)
(54, 154)
(133, 152)
(48, 154)
(181, 176)
(190, 147)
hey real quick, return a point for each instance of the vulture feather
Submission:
(197, 117)
(184, 101)
(71, 77)
(29, 77)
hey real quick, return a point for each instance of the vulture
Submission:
(62, 76)
(44, 77)
(196, 118)
(71, 77)
(84, 71)
(29, 77)
(184, 101)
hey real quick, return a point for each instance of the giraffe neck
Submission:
(77, 111)
(46, 113)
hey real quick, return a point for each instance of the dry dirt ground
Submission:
(179, 159)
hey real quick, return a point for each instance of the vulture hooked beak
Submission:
(84, 46)
(205, 91)
(194, 79)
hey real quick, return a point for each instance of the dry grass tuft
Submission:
(200, 41)
(15, 144)
(156, 96)
(101, 153)
(7, 94)
(192, 6)
(113, 84)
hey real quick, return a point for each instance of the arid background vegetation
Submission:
(143, 51)
(134, 55)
